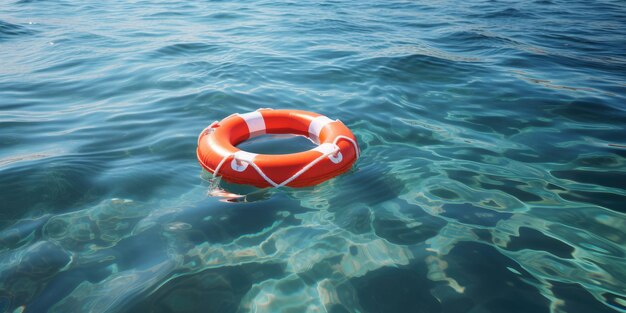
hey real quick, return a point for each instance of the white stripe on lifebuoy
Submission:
(255, 122)
(315, 128)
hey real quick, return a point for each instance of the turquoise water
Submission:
(492, 176)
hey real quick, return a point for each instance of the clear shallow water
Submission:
(492, 176)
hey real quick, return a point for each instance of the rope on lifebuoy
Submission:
(298, 173)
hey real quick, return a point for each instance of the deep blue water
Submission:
(492, 176)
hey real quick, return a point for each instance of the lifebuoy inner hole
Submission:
(277, 144)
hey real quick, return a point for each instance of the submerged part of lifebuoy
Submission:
(336, 152)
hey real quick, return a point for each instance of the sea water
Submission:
(492, 176)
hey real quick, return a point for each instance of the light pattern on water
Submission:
(492, 176)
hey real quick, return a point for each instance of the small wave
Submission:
(224, 16)
(591, 112)
(435, 67)
(182, 49)
(10, 30)
(508, 13)
(167, 14)
(333, 26)
(475, 38)
(24, 157)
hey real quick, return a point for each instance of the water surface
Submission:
(492, 176)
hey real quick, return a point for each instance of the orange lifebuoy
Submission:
(336, 152)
